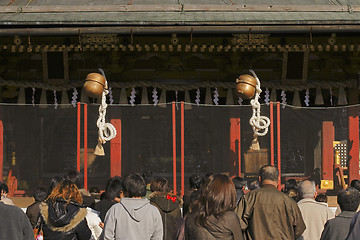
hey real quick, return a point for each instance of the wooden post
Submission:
(174, 145)
(328, 137)
(353, 163)
(85, 148)
(235, 143)
(1, 149)
(278, 143)
(115, 150)
(272, 134)
(182, 150)
(78, 137)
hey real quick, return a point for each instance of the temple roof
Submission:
(241, 15)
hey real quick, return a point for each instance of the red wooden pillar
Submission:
(1, 149)
(115, 150)
(78, 137)
(328, 136)
(182, 150)
(174, 145)
(235, 142)
(278, 143)
(85, 148)
(272, 162)
(353, 163)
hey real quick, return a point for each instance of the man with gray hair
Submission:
(267, 213)
(315, 214)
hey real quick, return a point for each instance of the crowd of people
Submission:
(140, 206)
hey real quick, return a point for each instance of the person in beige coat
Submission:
(315, 214)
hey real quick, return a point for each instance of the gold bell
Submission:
(246, 86)
(94, 85)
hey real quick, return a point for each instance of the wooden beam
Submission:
(179, 8)
(115, 149)
(353, 163)
(328, 136)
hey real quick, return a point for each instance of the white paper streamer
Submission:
(55, 100)
(111, 98)
(197, 99)
(74, 97)
(307, 97)
(331, 97)
(33, 97)
(240, 101)
(283, 98)
(216, 97)
(132, 97)
(155, 96)
(267, 96)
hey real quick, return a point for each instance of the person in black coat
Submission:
(63, 216)
(33, 211)
(338, 228)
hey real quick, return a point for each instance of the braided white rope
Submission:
(259, 124)
(107, 131)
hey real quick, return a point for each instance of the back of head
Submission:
(254, 185)
(76, 177)
(159, 184)
(290, 184)
(355, 184)
(195, 181)
(349, 199)
(114, 188)
(269, 172)
(321, 198)
(239, 182)
(4, 188)
(217, 196)
(40, 194)
(67, 191)
(134, 185)
(148, 176)
(54, 182)
(307, 189)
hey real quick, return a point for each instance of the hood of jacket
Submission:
(61, 217)
(167, 202)
(135, 207)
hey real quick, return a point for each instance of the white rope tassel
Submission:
(259, 124)
(107, 131)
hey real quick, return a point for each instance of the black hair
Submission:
(134, 185)
(195, 181)
(355, 184)
(321, 198)
(239, 182)
(94, 190)
(40, 194)
(76, 177)
(54, 182)
(4, 188)
(269, 172)
(113, 188)
(349, 199)
(148, 176)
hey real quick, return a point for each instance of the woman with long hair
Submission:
(63, 216)
(212, 215)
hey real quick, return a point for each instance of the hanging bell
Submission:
(246, 86)
(94, 85)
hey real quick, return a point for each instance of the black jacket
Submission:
(227, 227)
(169, 207)
(64, 222)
